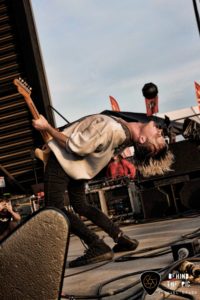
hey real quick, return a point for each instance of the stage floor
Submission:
(85, 282)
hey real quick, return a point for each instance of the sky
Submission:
(93, 49)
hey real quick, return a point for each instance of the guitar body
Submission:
(43, 155)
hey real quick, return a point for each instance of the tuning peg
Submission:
(24, 84)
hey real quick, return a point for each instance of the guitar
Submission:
(25, 90)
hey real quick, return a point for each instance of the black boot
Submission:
(124, 243)
(97, 252)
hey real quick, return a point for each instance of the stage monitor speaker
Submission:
(187, 157)
(190, 194)
(33, 257)
(155, 203)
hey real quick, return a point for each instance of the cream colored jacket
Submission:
(90, 145)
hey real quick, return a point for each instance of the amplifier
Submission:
(117, 200)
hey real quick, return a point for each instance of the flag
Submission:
(114, 104)
(151, 106)
(197, 90)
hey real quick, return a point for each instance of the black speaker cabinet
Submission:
(187, 157)
(190, 194)
(155, 203)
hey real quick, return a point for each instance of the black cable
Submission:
(59, 114)
(74, 297)
(89, 269)
(192, 234)
(152, 255)
(196, 14)
(116, 292)
(137, 295)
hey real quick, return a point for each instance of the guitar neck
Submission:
(46, 136)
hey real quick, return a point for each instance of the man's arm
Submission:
(42, 124)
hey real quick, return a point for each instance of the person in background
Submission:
(119, 167)
(78, 153)
(9, 219)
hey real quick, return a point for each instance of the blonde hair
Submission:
(151, 163)
(157, 166)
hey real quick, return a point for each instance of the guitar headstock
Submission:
(22, 87)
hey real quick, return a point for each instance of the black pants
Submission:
(56, 182)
